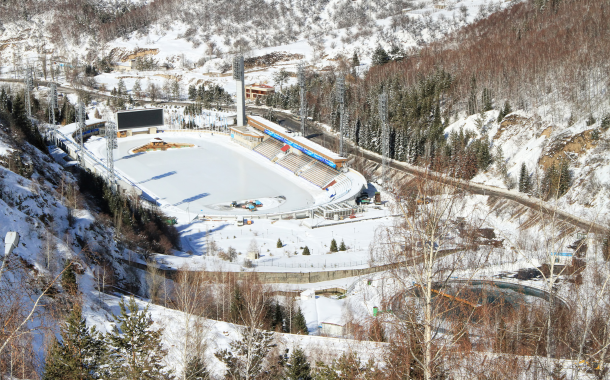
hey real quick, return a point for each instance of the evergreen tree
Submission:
(472, 100)
(137, 88)
(122, 90)
(192, 92)
(486, 100)
(342, 247)
(68, 279)
(306, 251)
(355, 60)
(279, 243)
(196, 369)
(504, 111)
(524, 180)
(333, 246)
(277, 322)
(246, 356)
(237, 305)
(135, 350)
(299, 325)
(565, 178)
(298, 366)
(80, 353)
(380, 56)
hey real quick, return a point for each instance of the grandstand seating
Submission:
(343, 185)
(269, 148)
(294, 162)
(319, 174)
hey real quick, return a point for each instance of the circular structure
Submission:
(209, 177)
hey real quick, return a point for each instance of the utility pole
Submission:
(52, 103)
(341, 97)
(111, 145)
(303, 110)
(238, 75)
(385, 136)
(81, 116)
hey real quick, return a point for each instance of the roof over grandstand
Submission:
(262, 123)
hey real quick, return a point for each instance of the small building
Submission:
(308, 294)
(157, 142)
(561, 258)
(255, 90)
(125, 66)
(332, 329)
(247, 137)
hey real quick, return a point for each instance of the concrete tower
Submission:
(238, 75)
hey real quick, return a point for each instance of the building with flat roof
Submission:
(256, 90)
(300, 143)
(246, 136)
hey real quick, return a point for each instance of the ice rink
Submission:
(207, 177)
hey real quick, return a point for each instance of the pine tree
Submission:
(68, 279)
(279, 243)
(333, 246)
(524, 180)
(355, 60)
(299, 325)
(122, 90)
(565, 178)
(342, 247)
(298, 366)
(136, 351)
(504, 111)
(196, 369)
(306, 251)
(380, 56)
(137, 88)
(192, 92)
(80, 353)
(486, 100)
(237, 305)
(246, 356)
(277, 322)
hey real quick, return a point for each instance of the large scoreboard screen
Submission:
(150, 117)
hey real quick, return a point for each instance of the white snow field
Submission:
(206, 178)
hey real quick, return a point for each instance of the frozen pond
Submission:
(208, 176)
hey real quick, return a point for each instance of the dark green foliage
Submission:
(214, 96)
(524, 180)
(298, 366)
(237, 305)
(472, 100)
(504, 111)
(306, 251)
(138, 225)
(481, 150)
(277, 321)
(355, 60)
(487, 100)
(595, 134)
(380, 56)
(342, 247)
(299, 325)
(135, 350)
(196, 370)
(14, 110)
(279, 243)
(590, 121)
(333, 246)
(556, 181)
(80, 353)
(246, 356)
(68, 279)
(348, 366)
(605, 122)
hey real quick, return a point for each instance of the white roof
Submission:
(300, 139)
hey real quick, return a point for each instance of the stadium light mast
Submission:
(385, 136)
(52, 103)
(81, 116)
(29, 86)
(341, 97)
(111, 145)
(303, 110)
(238, 75)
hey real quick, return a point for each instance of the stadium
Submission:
(260, 169)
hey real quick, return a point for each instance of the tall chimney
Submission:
(238, 75)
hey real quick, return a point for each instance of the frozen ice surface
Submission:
(209, 176)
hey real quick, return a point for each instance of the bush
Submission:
(306, 251)
(248, 264)
(279, 244)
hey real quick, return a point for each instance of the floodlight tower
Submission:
(81, 116)
(29, 86)
(52, 103)
(111, 145)
(238, 75)
(341, 97)
(303, 110)
(385, 136)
